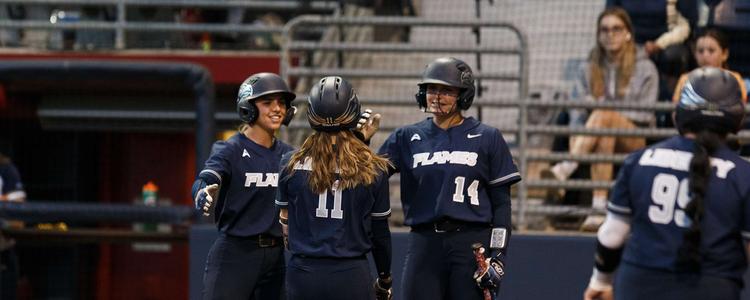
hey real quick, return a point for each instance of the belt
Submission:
(449, 225)
(267, 240)
(263, 240)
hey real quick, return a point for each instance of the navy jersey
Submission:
(652, 189)
(336, 223)
(248, 176)
(445, 173)
(10, 181)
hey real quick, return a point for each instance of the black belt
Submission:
(263, 240)
(449, 225)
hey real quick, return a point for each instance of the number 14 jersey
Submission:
(446, 173)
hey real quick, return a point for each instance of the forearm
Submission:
(679, 30)
(501, 220)
(381, 247)
(611, 239)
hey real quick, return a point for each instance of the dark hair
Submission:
(715, 34)
(706, 143)
(719, 36)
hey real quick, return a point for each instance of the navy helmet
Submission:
(258, 85)
(710, 99)
(333, 105)
(451, 72)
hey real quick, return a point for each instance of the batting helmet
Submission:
(333, 105)
(711, 99)
(451, 72)
(258, 85)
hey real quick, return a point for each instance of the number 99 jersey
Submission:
(336, 223)
(445, 173)
(652, 189)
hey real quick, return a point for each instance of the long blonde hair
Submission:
(625, 63)
(338, 152)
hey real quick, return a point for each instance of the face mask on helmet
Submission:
(451, 72)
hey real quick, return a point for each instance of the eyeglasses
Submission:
(442, 91)
(614, 30)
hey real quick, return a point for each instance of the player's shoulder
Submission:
(283, 147)
(222, 147)
(415, 127)
(286, 156)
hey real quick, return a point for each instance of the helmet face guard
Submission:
(448, 71)
(710, 100)
(333, 105)
(257, 86)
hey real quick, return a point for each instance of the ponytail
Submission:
(706, 143)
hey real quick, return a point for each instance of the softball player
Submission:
(240, 177)
(456, 175)
(333, 194)
(684, 204)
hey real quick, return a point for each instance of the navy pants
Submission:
(329, 279)
(441, 265)
(238, 268)
(633, 282)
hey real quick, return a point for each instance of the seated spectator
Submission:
(662, 28)
(615, 71)
(711, 50)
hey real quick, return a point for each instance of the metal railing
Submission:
(523, 129)
(120, 25)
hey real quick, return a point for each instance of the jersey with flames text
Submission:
(446, 173)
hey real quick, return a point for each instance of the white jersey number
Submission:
(665, 192)
(336, 211)
(458, 196)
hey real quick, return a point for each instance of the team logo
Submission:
(245, 154)
(415, 137)
(246, 89)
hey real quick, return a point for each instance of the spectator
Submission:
(662, 27)
(11, 190)
(711, 50)
(615, 71)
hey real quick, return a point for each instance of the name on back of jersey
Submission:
(270, 179)
(445, 157)
(680, 161)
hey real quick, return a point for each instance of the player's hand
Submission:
(383, 288)
(368, 124)
(490, 278)
(205, 198)
(593, 294)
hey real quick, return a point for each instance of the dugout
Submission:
(95, 131)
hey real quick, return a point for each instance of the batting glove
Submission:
(205, 198)
(383, 288)
(491, 278)
(367, 125)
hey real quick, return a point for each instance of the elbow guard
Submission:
(607, 259)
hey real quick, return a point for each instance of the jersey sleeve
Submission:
(382, 207)
(281, 190)
(503, 170)
(218, 165)
(619, 201)
(391, 149)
